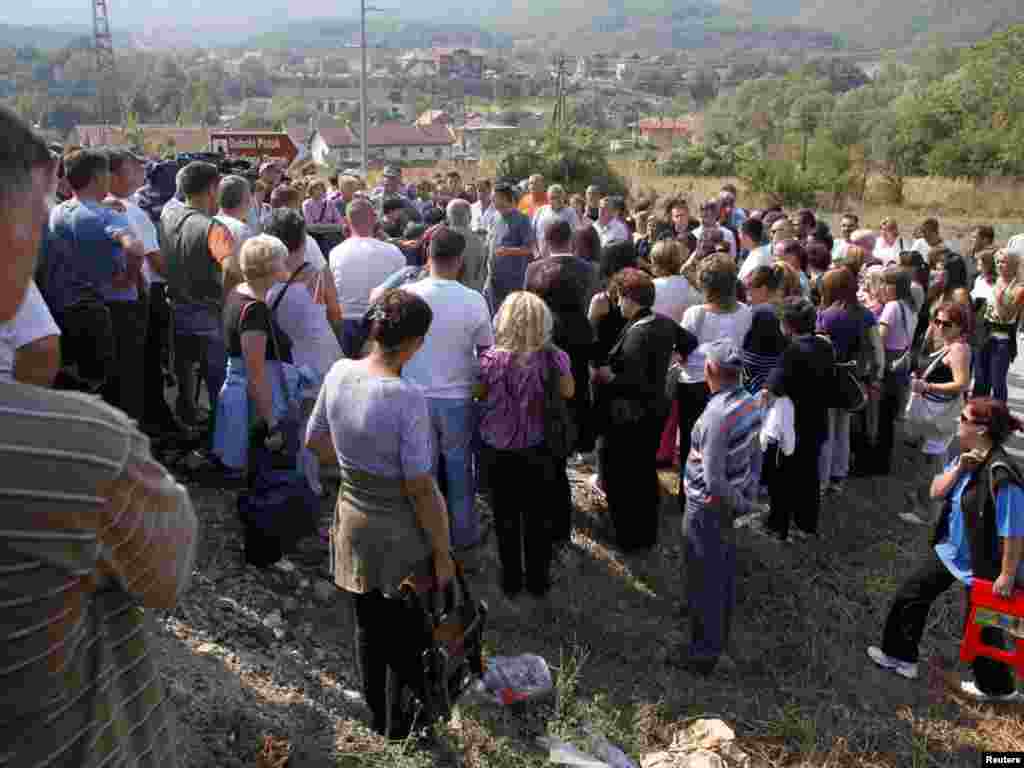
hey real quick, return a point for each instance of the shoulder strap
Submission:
(699, 325)
(287, 285)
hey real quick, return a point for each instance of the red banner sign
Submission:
(254, 144)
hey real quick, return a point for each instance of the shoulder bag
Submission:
(901, 363)
(848, 393)
(279, 507)
(932, 415)
(560, 430)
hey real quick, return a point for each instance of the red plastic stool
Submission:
(990, 610)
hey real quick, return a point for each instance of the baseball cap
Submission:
(269, 165)
(504, 185)
(392, 172)
(723, 352)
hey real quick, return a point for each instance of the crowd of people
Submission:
(444, 339)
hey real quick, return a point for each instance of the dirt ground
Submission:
(254, 654)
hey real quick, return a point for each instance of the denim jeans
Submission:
(710, 579)
(210, 350)
(454, 425)
(992, 369)
(834, 460)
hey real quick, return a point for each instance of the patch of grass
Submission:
(796, 727)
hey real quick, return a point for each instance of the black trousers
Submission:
(794, 489)
(524, 522)
(888, 409)
(628, 455)
(389, 633)
(124, 387)
(158, 339)
(692, 399)
(908, 615)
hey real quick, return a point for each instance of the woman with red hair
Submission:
(979, 535)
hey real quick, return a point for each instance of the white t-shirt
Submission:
(711, 326)
(313, 342)
(982, 289)
(615, 231)
(545, 216)
(145, 232)
(481, 220)
(727, 236)
(359, 265)
(313, 255)
(839, 247)
(446, 365)
(890, 254)
(32, 322)
(674, 295)
(759, 257)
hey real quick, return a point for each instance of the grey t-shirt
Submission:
(506, 274)
(378, 425)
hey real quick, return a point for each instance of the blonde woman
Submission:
(512, 377)
(252, 395)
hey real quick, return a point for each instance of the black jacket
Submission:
(641, 356)
(804, 375)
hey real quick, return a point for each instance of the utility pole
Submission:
(362, 89)
(558, 116)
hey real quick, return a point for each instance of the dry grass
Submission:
(804, 693)
(958, 203)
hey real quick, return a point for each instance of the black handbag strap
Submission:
(287, 285)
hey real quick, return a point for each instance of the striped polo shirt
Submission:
(722, 444)
(92, 532)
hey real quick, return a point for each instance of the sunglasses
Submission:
(943, 323)
(965, 420)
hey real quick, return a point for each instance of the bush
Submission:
(781, 181)
(575, 160)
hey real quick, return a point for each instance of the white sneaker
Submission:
(911, 517)
(904, 668)
(971, 689)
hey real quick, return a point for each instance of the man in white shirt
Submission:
(235, 200)
(555, 210)
(929, 239)
(127, 175)
(446, 369)
(610, 226)
(360, 264)
(847, 226)
(483, 212)
(709, 222)
(30, 343)
(758, 255)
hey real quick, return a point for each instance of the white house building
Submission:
(386, 142)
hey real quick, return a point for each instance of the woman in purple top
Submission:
(318, 209)
(845, 322)
(512, 375)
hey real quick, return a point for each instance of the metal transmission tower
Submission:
(559, 116)
(105, 70)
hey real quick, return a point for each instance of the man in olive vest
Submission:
(194, 245)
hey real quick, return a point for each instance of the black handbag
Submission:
(560, 431)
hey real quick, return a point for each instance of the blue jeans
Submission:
(454, 426)
(710, 580)
(992, 369)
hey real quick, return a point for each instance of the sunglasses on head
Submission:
(943, 323)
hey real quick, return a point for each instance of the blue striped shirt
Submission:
(722, 445)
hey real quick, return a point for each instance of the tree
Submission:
(807, 114)
(134, 135)
(703, 85)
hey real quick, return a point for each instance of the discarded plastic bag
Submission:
(602, 753)
(512, 679)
